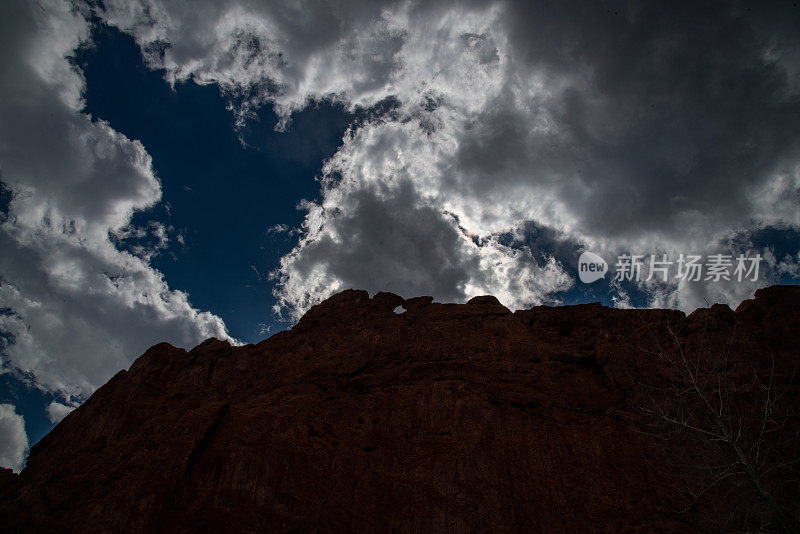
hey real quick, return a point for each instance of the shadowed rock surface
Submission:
(443, 418)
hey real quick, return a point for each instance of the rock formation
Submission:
(442, 418)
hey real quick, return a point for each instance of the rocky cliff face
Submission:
(443, 418)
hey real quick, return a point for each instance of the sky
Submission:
(172, 171)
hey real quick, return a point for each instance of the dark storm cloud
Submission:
(661, 110)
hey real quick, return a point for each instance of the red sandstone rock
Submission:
(445, 418)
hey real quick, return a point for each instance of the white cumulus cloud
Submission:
(57, 411)
(75, 309)
(13, 440)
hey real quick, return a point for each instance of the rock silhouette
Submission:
(443, 418)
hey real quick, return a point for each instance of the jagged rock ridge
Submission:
(445, 418)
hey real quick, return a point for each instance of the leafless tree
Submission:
(727, 418)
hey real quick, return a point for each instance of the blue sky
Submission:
(173, 171)
(223, 190)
